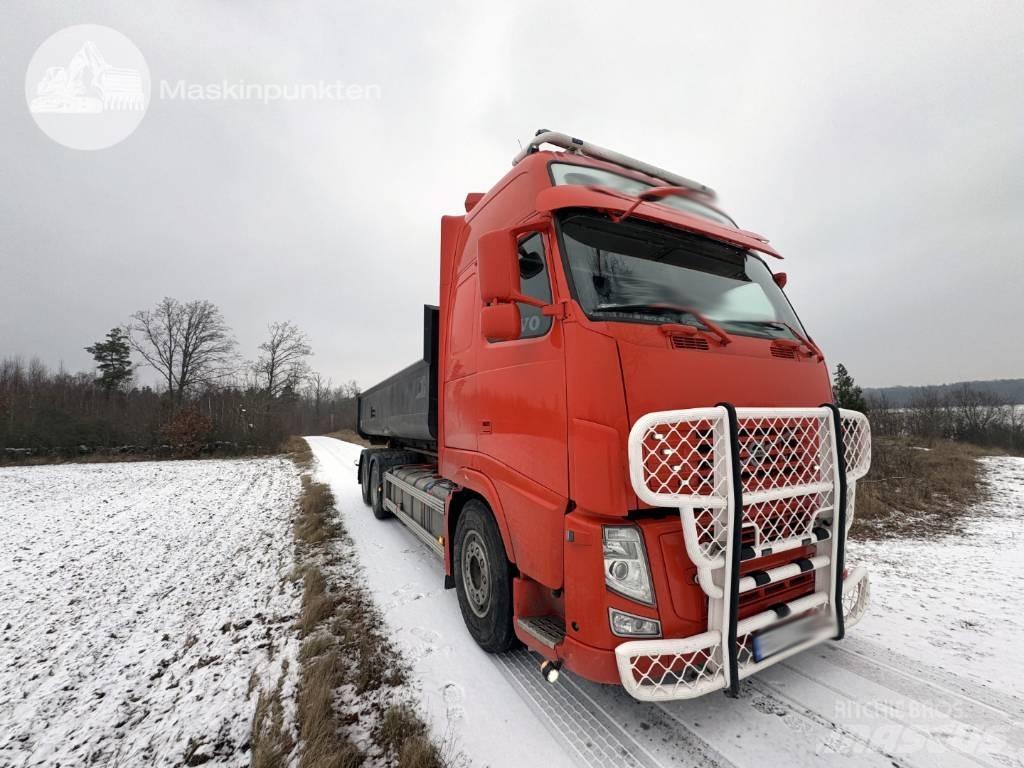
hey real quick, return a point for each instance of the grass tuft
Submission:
(324, 744)
(317, 603)
(271, 741)
(314, 646)
(299, 451)
(402, 733)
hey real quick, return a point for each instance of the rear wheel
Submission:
(364, 480)
(377, 491)
(483, 578)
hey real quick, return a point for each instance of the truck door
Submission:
(523, 422)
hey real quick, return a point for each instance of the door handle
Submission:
(485, 427)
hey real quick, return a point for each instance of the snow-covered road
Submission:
(925, 680)
(136, 602)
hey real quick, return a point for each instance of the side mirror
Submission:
(780, 279)
(498, 267)
(501, 322)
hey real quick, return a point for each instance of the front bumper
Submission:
(685, 668)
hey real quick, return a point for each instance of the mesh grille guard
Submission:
(748, 482)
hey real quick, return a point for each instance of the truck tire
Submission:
(364, 479)
(483, 579)
(377, 491)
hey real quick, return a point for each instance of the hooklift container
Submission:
(403, 407)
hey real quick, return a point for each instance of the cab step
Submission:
(549, 631)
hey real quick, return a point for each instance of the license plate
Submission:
(782, 637)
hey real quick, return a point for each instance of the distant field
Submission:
(141, 606)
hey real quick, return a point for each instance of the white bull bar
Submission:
(748, 482)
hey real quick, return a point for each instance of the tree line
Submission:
(208, 400)
(961, 413)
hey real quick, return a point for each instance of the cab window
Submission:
(535, 283)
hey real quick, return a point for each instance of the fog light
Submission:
(627, 625)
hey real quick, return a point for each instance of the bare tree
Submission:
(187, 344)
(318, 389)
(282, 366)
(974, 413)
(349, 390)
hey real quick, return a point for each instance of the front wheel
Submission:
(483, 579)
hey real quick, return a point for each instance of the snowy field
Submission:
(930, 678)
(137, 602)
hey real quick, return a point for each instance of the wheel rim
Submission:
(476, 574)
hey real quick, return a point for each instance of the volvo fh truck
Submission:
(620, 439)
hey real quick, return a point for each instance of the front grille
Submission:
(762, 598)
(782, 452)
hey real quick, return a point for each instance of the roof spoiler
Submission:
(581, 147)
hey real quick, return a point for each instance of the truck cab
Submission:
(626, 452)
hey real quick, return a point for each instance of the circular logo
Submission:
(87, 87)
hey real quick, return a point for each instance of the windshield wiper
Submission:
(801, 340)
(664, 307)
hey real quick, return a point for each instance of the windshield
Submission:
(569, 173)
(646, 272)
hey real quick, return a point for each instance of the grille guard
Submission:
(787, 477)
(666, 670)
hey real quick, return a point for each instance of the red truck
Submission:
(620, 438)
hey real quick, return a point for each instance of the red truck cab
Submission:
(637, 425)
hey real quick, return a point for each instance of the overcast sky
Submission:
(880, 146)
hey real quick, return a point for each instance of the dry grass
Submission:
(315, 524)
(349, 437)
(271, 741)
(324, 742)
(421, 752)
(317, 603)
(915, 491)
(345, 648)
(298, 450)
(315, 645)
(403, 734)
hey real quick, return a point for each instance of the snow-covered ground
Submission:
(137, 601)
(958, 602)
(929, 679)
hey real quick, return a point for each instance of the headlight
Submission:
(627, 625)
(625, 563)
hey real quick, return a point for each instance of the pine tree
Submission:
(846, 392)
(113, 360)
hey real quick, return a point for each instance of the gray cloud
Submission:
(879, 147)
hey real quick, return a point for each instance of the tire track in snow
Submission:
(584, 727)
(947, 739)
(790, 706)
(859, 656)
